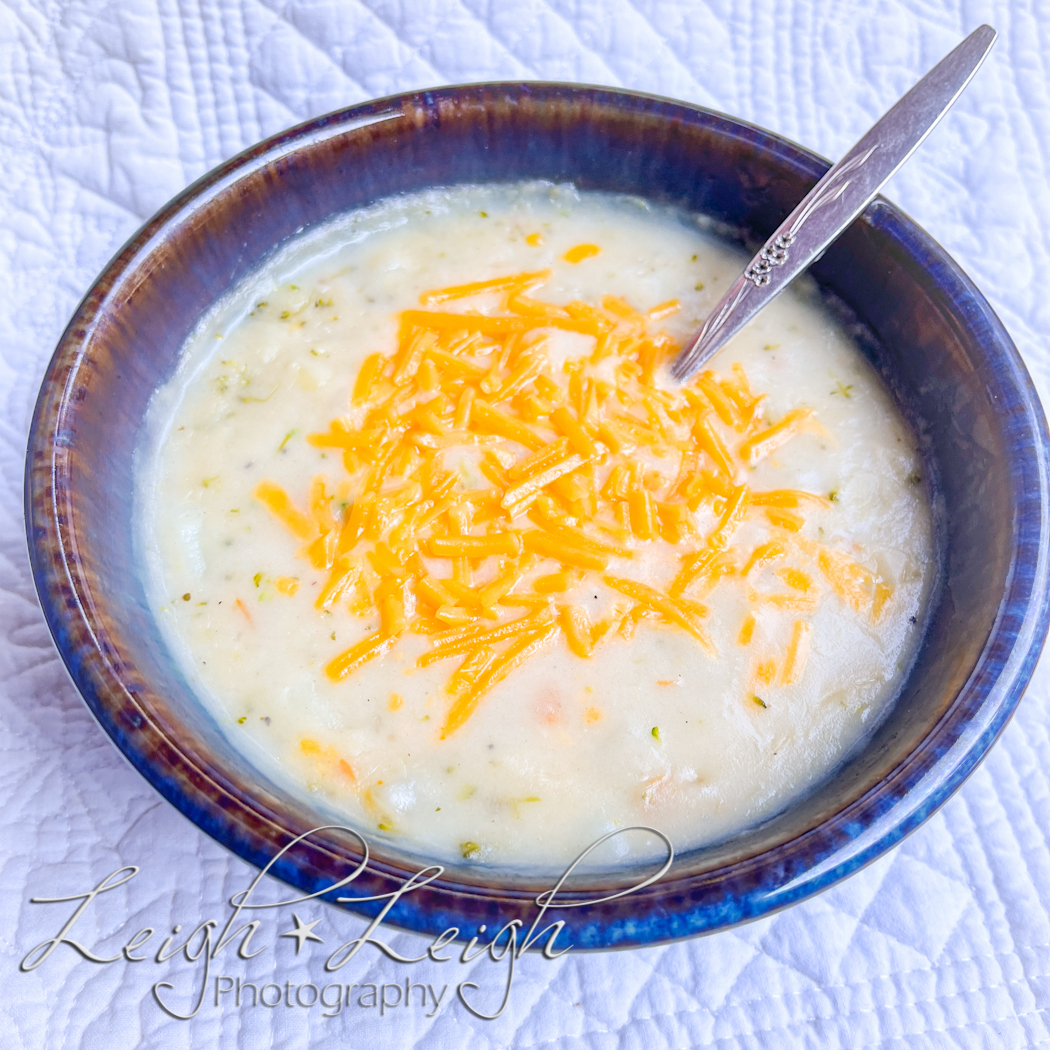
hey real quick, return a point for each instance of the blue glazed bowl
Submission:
(945, 355)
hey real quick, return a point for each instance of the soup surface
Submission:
(440, 541)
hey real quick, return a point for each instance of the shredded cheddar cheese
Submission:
(582, 472)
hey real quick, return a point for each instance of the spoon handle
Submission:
(837, 199)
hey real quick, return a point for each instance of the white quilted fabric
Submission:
(106, 110)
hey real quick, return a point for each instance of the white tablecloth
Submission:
(106, 110)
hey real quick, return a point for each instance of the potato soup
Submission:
(440, 542)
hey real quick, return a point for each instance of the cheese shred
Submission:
(582, 474)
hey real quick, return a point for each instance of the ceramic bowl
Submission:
(946, 357)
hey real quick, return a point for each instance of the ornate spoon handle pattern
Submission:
(837, 199)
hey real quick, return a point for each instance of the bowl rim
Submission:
(665, 911)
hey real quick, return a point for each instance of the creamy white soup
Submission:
(440, 542)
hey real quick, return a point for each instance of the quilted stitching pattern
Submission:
(106, 110)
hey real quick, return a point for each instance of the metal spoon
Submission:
(837, 199)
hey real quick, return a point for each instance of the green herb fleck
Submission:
(208, 481)
(656, 733)
(242, 720)
(285, 314)
(834, 496)
(287, 437)
(324, 301)
(384, 827)
(483, 214)
(186, 596)
(915, 477)
(294, 287)
(470, 850)
(771, 346)
(333, 636)
(259, 400)
(699, 286)
(695, 257)
(262, 305)
(843, 390)
(257, 579)
(758, 700)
